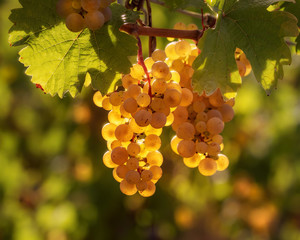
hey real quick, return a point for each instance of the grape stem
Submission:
(142, 63)
(134, 29)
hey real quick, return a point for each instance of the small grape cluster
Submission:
(149, 100)
(80, 14)
(198, 127)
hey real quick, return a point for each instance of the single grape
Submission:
(186, 148)
(90, 5)
(94, 20)
(75, 22)
(127, 188)
(207, 167)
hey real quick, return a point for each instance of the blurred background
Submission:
(54, 186)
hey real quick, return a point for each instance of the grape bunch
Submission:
(80, 14)
(136, 118)
(198, 127)
(158, 93)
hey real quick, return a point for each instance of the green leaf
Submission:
(259, 33)
(59, 60)
(182, 4)
(294, 8)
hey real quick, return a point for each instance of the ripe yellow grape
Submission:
(170, 119)
(151, 130)
(180, 114)
(222, 162)
(149, 62)
(199, 106)
(133, 149)
(183, 48)
(127, 80)
(200, 126)
(118, 179)
(192, 26)
(97, 99)
(149, 191)
(132, 163)
(193, 161)
(127, 188)
(152, 142)
(132, 177)
(76, 4)
(158, 120)
(170, 51)
(156, 172)
(121, 171)
(216, 99)
(146, 175)
(108, 131)
(215, 125)
(137, 71)
(201, 147)
(186, 130)
(106, 13)
(114, 144)
(64, 8)
(90, 5)
(115, 117)
(186, 97)
(214, 113)
(75, 22)
(124, 133)
(213, 149)
(160, 69)
(180, 26)
(172, 97)
(119, 155)
(177, 65)
(217, 139)
(130, 105)
(202, 116)
(107, 160)
(143, 100)
(186, 148)
(136, 128)
(142, 118)
(227, 112)
(134, 90)
(154, 158)
(116, 98)
(159, 55)
(106, 104)
(207, 167)
(141, 185)
(94, 20)
(159, 86)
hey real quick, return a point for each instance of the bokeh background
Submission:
(54, 186)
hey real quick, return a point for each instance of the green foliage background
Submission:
(54, 186)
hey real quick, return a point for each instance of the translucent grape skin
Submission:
(94, 20)
(75, 22)
(90, 5)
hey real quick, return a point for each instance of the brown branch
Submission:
(134, 29)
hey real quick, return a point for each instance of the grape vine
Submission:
(190, 86)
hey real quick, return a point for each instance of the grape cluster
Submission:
(149, 100)
(136, 118)
(198, 127)
(80, 14)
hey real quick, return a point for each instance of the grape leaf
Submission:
(294, 8)
(246, 24)
(59, 60)
(182, 4)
